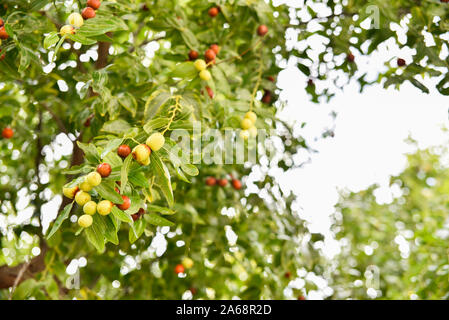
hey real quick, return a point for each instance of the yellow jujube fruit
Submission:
(94, 179)
(76, 20)
(85, 221)
(253, 131)
(90, 208)
(205, 75)
(251, 116)
(70, 192)
(82, 198)
(67, 29)
(246, 123)
(187, 262)
(200, 65)
(141, 153)
(85, 186)
(104, 207)
(155, 141)
(244, 134)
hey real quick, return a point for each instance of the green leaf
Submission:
(122, 215)
(90, 151)
(101, 25)
(124, 172)
(95, 233)
(190, 169)
(107, 191)
(185, 70)
(155, 102)
(128, 102)
(157, 220)
(112, 145)
(162, 177)
(51, 39)
(81, 39)
(139, 228)
(138, 178)
(60, 219)
(118, 126)
(155, 124)
(161, 210)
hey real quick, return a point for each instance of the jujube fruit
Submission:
(187, 262)
(179, 269)
(251, 116)
(123, 150)
(211, 181)
(85, 186)
(141, 153)
(94, 179)
(210, 92)
(155, 141)
(94, 4)
(126, 203)
(3, 34)
(200, 65)
(350, 57)
(213, 12)
(246, 123)
(215, 48)
(7, 133)
(82, 198)
(104, 207)
(90, 208)
(262, 30)
(205, 75)
(222, 182)
(88, 13)
(209, 54)
(104, 169)
(70, 192)
(401, 62)
(85, 221)
(67, 29)
(193, 55)
(236, 184)
(75, 19)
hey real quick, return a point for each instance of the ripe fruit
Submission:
(1, 22)
(7, 133)
(76, 20)
(85, 186)
(3, 34)
(85, 221)
(301, 297)
(310, 82)
(236, 184)
(262, 30)
(141, 153)
(205, 75)
(94, 4)
(187, 262)
(287, 274)
(209, 54)
(67, 29)
(246, 123)
(135, 216)
(70, 192)
(210, 92)
(215, 48)
(179, 269)
(253, 131)
(222, 182)
(155, 141)
(244, 134)
(90, 208)
(251, 116)
(104, 207)
(126, 203)
(350, 57)
(82, 198)
(104, 169)
(193, 55)
(401, 62)
(123, 150)
(94, 179)
(266, 97)
(213, 12)
(211, 181)
(200, 65)
(271, 78)
(88, 13)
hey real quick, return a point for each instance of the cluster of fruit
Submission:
(3, 36)
(248, 125)
(76, 20)
(7, 133)
(141, 153)
(201, 66)
(212, 181)
(186, 263)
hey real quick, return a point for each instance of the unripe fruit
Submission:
(126, 203)
(401, 62)
(253, 131)
(350, 57)
(200, 65)
(205, 75)
(90, 208)
(187, 262)
(7, 133)
(155, 141)
(213, 12)
(209, 54)
(67, 29)
(210, 92)
(193, 55)
(104, 169)
(70, 192)
(251, 116)
(123, 150)
(82, 198)
(215, 48)
(3, 34)
(211, 181)
(236, 184)
(244, 134)
(104, 207)
(262, 30)
(94, 4)
(222, 182)
(88, 13)
(145, 162)
(141, 153)
(94, 179)
(76, 20)
(85, 186)
(85, 221)
(246, 123)
(179, 269)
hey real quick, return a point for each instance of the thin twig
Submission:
(18, 278)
